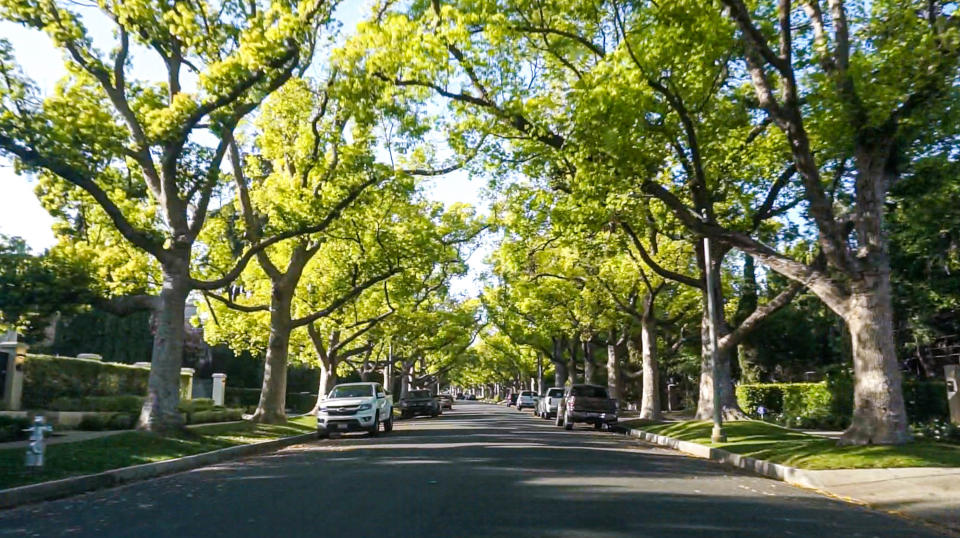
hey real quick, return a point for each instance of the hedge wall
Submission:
(48, 379)
(829, 404)
(248, 398)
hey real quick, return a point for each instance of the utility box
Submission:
(952, 375)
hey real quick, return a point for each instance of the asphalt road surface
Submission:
(479, 470)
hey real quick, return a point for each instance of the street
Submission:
(479, 470)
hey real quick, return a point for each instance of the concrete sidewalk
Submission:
(65, 436)
(929, 494)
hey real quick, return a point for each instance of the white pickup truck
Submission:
(355, 407)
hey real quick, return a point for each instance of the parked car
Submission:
(526, 400)
(419, 402)
(547, 406)
(511, 399)
(472, 397)
(446, 401)
(587, 403)
(460, 396)
(353, 407)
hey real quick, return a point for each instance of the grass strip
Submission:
(770, 442)
(122, 450)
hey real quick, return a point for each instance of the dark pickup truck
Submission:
(587, 403)
(419, 402)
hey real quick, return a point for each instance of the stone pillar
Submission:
(952, 375)
(186, 393)
(219, 388)
(12, 353)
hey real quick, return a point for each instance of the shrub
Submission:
(926, 400)
(114, 421)
(829, 404)
(938, 429)
(11, 428)
(193, 406)
(126, 403)
(301, 402)
(248, 398)
(217, 414)
(243, 398)
(47, 378)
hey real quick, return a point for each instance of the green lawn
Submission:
(133, 448)
(772, 443)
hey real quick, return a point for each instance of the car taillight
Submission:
(570, 401)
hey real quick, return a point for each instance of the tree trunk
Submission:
(159, 412)
(613, 370)
(539, 374)
(572, 362)
(559, 366)
(273, 393)
(405, 378)
(589, 366)
(879, 414)
(650, 401)
(747, 353)
(728, 397)
(750, 370)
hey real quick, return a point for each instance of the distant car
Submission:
(526, 400)
(512, 399)
(446, 401)
(472, 397)
(460, 396)
(548, 404)
(587, 403)
(419, 402)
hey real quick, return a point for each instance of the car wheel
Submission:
(598, 426)
(323, 433)
(559, 420)
(375, 429)
(567, 423)
(388, 425)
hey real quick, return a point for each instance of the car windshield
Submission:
(555, 393)
(418, 394)
(526, 393)
(589, 392)
(352, 391)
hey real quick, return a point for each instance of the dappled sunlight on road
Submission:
(480, 470)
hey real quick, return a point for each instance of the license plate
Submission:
(341, 426)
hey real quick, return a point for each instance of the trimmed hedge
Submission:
(47, 378)
(241, 397)
(217, 414)
(798, 405)
(829, 404)
(301, 402)
(49, 381)
(248, 398)
(115, 421)
(125, 403)
(11, 428)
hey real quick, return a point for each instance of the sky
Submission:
(20, 211)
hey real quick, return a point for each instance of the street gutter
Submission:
(817, 480)
(74, 485)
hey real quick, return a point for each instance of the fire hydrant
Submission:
(37, 445)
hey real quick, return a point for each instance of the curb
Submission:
(65, 487)
(783, 473)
